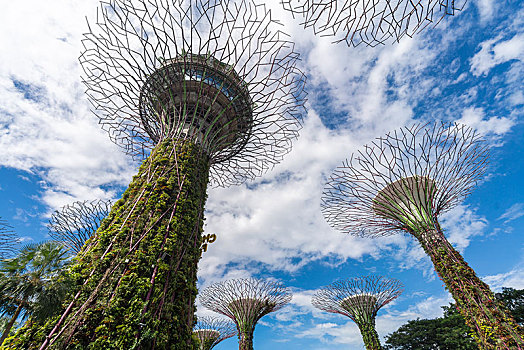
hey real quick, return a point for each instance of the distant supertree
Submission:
(212, 330)
(209, 89)
(74, 224)
(371, 22)
(359, 299)
(402, 182)
(245, 301)
(8, 239)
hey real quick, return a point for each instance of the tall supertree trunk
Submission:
(369, 336)
(493, 325)
(137, 275)
(245, 340)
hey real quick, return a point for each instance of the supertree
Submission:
(74, 223)
(360, 299)
(8, 239)
(371, 22)
(212, 330)
(209, 90)
(403, 182)
(245, 301)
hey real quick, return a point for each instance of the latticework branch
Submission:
(245, 301)
(219, 73)
(212, 330)
(74, 224)
(404, 180)
(401, 183)
(8, 239)
(371, 22)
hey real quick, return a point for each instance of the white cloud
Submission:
(486, 8)
(333, 333)
(278, 218)
(496, 51)
(512, 213)
(370, 83)
(48, 128)
(476, 118)
(511, 279)
(517, 98)
(428, 308)
(460, 224)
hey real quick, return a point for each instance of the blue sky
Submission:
(467, 69)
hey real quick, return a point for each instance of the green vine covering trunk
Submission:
(492, 324)
(136, 278)
(245, 340)
(369, 336)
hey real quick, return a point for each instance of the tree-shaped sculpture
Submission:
(371, 22)
(74, 224)
(403, 182)
(359, 299)
(8, 240)
(212, 330)
(245, 301)
(210, 90)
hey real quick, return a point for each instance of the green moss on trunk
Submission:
(492, 325)
(245, 340)
(369, 336)
(136, 277)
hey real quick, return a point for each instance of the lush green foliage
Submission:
(136, 277)
(449, 332)
(513, 299)
(30, 283)
(4, 321)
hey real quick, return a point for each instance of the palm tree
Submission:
(27, 283)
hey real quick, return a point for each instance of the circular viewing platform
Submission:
(199, 98)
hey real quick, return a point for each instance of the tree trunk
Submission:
(245, 341)
(12, 321)
(492, 324)
(137, 275)
(370, 336)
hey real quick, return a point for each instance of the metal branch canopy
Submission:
(245, 301)
(371, 22)
(402, 182)
(212, 330)
(219, 73)
(359, 299)
(74, 224)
